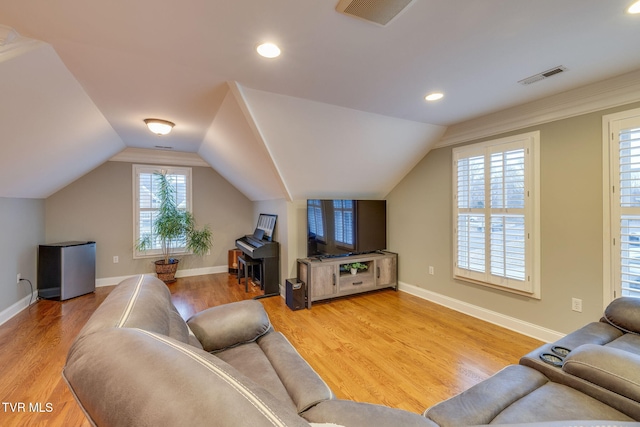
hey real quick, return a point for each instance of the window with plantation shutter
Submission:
(146, 203)
(624, 145)
(343, 216)
(315, 219)
(495, 213)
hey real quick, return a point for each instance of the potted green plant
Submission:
(174, 228)
(355, 266)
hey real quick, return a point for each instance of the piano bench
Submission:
(244, 262)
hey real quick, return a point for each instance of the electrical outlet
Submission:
(576, 305)
(431, 270)
(18, 278)
(116, 259)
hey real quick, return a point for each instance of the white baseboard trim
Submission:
(517, 325)
(511, 323)
(202, 271)
(16, 308)
(111, 281)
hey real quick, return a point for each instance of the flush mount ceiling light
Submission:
(435, 96)
(158, 126)
(268, 50)
(634, 8)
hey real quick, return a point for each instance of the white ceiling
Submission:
(340, 114)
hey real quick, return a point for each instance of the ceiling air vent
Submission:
(379, 12)
(543, 75)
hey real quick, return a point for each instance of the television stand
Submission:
(330, 278)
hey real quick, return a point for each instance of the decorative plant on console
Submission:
(354, 267)
(173, 228)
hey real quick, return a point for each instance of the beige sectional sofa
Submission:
(138, 363)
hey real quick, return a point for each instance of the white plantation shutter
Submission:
(146, 203)
(494, 209)
(343, 220)
(315, 219)
(625, 159)
(471, 219)
(507, 214)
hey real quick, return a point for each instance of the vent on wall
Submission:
(379, 12)
(543, 75)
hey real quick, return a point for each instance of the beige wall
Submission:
(22, 231)
(419, 216)
(287, 232)
(99, 207)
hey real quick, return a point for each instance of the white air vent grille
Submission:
(541, 76)
(380, 12)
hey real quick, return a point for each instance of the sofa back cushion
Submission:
(624, 314)
(131, 377)
(139, 302)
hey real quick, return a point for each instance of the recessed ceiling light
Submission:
(268, 50)
(634, 8)
(434, 96)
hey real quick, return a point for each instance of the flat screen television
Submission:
(344, 227)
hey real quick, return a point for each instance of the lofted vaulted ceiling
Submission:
(341, 113)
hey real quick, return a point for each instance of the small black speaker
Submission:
(295, 294)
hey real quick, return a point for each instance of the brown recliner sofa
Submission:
(138, 363)
(590, 374)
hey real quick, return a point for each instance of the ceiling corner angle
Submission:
(238, 94)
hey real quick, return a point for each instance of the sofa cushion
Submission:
(553, 402)
(147, 379)
(591, 333)
(355, 414)
(228, 325)
(291, 368)
(627, 342)
(250, 360)
(486, 400)
(610, 368)
(624, 314)
(139, 302)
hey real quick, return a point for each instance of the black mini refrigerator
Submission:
(66, 270)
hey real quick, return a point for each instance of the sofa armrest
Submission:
(228, 325)
(355, 414)
(484, 401)
(610, 368)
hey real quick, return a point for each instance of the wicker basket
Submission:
(167, 272)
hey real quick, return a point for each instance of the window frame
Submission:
(530, 142)
(138, 169)
(612, 209)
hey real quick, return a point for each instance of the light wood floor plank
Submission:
(384, 347)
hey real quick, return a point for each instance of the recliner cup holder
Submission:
(560, 351)
(556, 357)
(552, 359)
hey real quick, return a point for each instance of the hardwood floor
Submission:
(385, 347)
